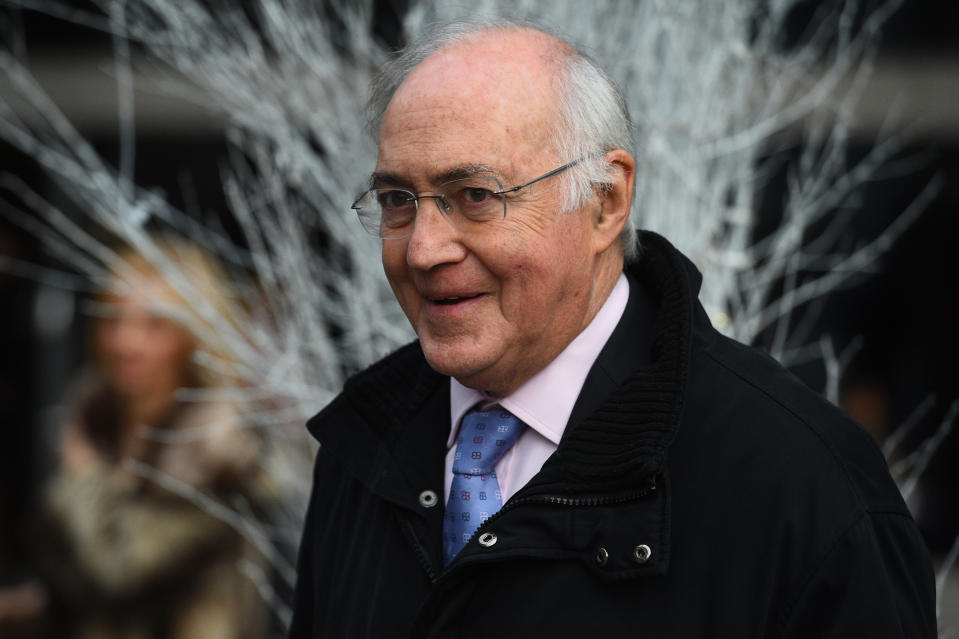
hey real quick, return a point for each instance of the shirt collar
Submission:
(545, 401)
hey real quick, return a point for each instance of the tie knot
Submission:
(484, 438)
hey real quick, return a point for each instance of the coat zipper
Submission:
(418, 548)
(564, 501)
(513, 503)
(569, 501)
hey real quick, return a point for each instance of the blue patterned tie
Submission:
(484, 438)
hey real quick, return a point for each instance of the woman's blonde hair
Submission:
(199, 295)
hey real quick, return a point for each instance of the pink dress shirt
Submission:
(544, 402)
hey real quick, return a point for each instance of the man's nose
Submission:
(435, 239)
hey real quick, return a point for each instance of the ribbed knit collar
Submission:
(619, 446)
(624, 442)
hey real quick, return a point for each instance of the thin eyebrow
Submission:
(460, 172)
(380, 178)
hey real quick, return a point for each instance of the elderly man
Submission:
(569, 449)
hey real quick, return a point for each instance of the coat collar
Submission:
(623, 443)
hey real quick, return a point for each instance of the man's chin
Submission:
(446, 364)
(446, 358)
(480, 375)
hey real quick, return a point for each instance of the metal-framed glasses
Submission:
(389, 213)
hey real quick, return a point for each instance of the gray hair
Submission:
(591, 109)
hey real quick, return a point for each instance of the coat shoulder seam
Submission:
(836, 458)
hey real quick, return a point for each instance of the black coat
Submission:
(703, 492)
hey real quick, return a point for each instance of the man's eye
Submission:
(476, 195)
(472, 196)
(393, 200)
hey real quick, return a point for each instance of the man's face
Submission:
(495, 302)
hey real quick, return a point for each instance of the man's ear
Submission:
(614, 200)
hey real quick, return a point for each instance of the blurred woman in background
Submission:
(132, 547)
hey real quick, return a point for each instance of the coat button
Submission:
(487, 539)
(602, 556)
(428, 499)
(642, 553)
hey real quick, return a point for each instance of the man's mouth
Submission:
(452, 299)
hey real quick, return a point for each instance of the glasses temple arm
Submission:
(542, 177)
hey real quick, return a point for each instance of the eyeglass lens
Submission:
(389, 213)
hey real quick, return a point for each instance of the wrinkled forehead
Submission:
(502, 88)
